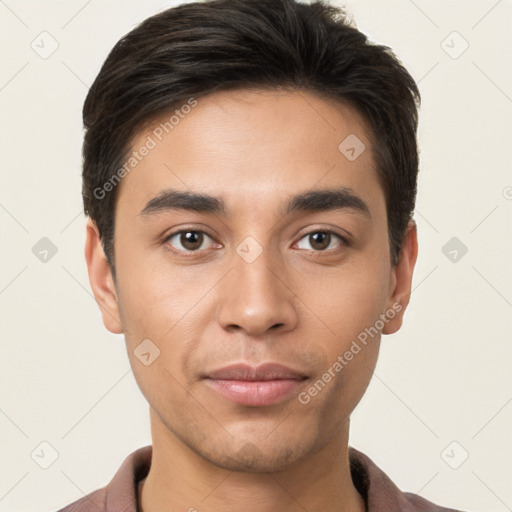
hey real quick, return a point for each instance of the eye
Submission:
(321, 240)
(189, 240)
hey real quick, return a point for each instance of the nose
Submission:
(254, 297)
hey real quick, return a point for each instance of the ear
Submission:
(401, 280)
(100, 277)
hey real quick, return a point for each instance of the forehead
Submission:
(256, 144)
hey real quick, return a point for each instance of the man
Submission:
(249, 179)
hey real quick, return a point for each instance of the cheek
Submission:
(154, 296)
(348, 299)
(347, 305)
(166, 306)
(157, 313)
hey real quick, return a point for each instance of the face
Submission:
(265, 269)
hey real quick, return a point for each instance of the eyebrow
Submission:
(320, 200)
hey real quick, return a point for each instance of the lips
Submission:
(266, 384)
(268, 371)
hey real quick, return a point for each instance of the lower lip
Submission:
(255, 393)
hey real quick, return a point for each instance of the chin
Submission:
(256, 456)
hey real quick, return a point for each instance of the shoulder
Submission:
(120, 495)
(380, 493)
(93, 502)
(415, 503)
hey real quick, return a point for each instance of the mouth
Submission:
(266, 384)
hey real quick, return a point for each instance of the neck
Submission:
(182, 480)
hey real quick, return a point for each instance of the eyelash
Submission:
(189, 254)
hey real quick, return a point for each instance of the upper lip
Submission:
(267, 371)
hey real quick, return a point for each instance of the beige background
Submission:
(444, 377)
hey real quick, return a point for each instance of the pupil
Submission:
(190, 239)
(322, 239)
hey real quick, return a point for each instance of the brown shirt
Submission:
(379, 492)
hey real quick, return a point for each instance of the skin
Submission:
(294, 304)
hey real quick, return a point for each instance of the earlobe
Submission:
(401, 280)
(101, 280)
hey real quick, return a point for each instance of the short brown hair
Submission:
(199, 48)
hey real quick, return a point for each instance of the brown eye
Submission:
(321, 240)
(191, 240)
(187, 240)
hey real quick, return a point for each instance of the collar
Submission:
(378, 491)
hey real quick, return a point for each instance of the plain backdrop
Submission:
(437, 416)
